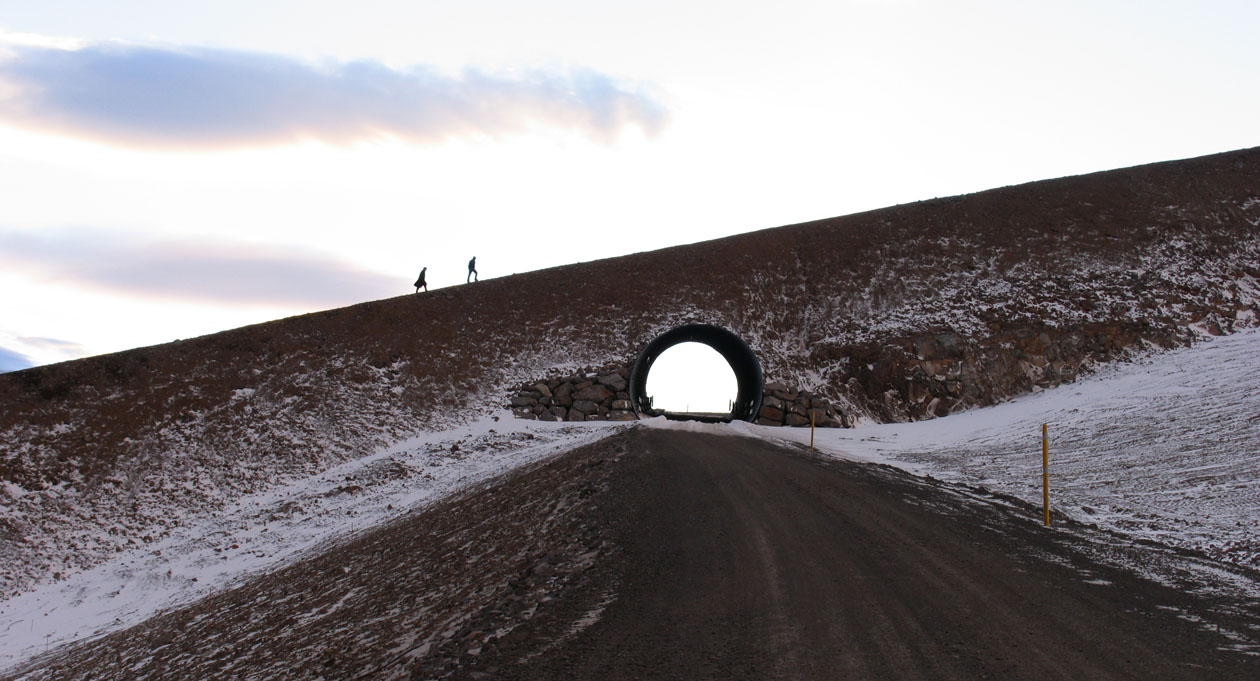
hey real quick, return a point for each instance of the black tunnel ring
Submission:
(734, 350)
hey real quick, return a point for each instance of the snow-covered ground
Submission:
(1165, 448)
(262, 532)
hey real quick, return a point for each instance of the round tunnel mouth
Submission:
(742, 360)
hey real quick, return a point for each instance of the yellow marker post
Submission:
(811, 431)
(1045, 474)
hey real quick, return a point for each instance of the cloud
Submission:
(12, 361)
(53, 345)
(208, 271)
(211, 99)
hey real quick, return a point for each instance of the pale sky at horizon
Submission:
(171, 168)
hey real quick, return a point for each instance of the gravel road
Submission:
(671, 554)
(743, 561)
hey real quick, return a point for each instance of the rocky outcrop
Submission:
(933, 375)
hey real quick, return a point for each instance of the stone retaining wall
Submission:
(588, 395)
(600, 394)
(785, 406)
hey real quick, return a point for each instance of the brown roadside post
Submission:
(811, 431)
(1045, 474)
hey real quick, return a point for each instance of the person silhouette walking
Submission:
(420, 281)
(472, 270)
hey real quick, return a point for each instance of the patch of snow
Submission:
(264, 531)
(1165, 448)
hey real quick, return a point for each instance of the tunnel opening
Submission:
(742, 360)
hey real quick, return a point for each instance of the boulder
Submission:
(594, 393)
(563, 390)
(524, 401)
(763, 421)
(795, 420)
(542, 389)
(768, 412)
(623, 405)
(621, 415)
(575, 415)
(560, 413)
(587, 407)
(614, 381)
(772, 401)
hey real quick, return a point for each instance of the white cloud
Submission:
(199, 98)
(230, 273)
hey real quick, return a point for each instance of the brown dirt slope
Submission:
(905, 312)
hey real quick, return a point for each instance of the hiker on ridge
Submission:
(472, 270)
(420, 281)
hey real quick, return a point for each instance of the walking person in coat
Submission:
(420, 281)
(472, 270)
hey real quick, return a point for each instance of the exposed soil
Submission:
(680, 555)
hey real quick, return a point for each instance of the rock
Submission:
(613, 380)
(523, 413)
(594, 393)
(548, 416)
(768, 422)
(582, 384)
(524, 401)
(560, 412)
(585, 406)
(798, 409)
(562, 390)
(575, 415)
(795, 420)
(623, 405)
(768, 412)
(542, 389)
(771, 387)
(772, 401)
(621, 415)
(563, 400)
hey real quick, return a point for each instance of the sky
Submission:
(170, 168)
(692, 377)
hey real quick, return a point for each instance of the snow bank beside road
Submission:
(1165, 448)
(263, 531)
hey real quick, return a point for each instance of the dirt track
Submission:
(662, 554)
(744, 562)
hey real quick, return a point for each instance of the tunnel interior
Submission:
(734, 350)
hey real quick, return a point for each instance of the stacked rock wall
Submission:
(785, 406)
(588, 395)
(600, 395)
